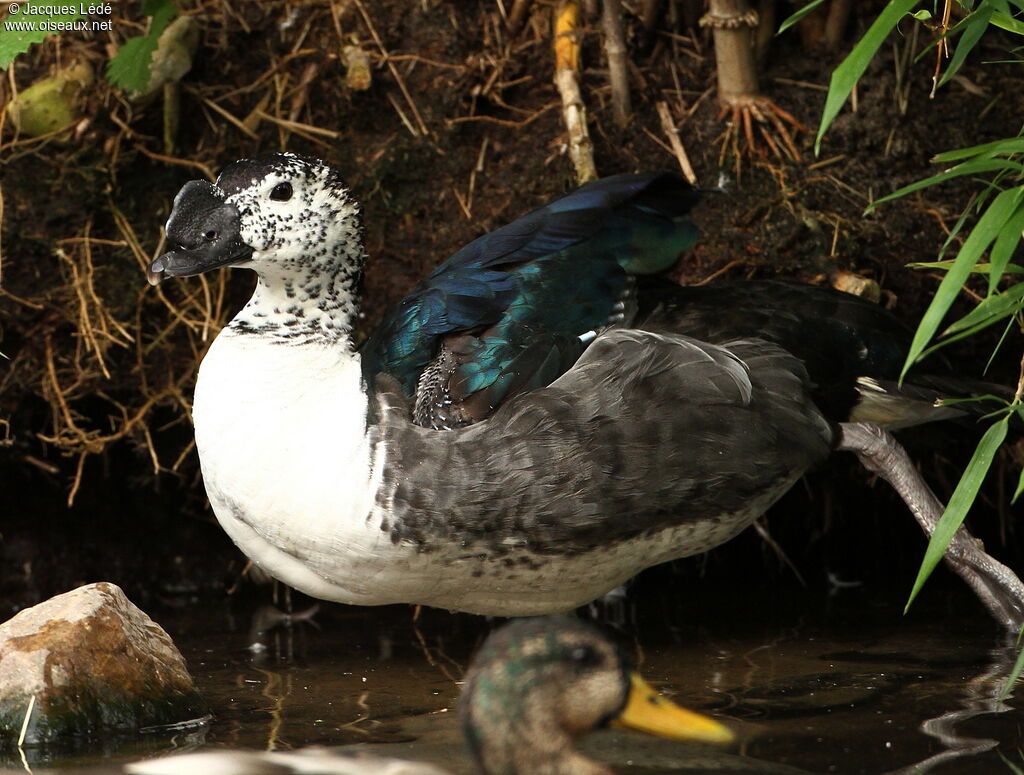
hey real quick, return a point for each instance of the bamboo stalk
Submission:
(732, 22)
(650, 15)
(567, 58)
(835, 24)
(618, 73)
(765, 28)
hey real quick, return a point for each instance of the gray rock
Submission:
(88, 663)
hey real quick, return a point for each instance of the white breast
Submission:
(286, 463)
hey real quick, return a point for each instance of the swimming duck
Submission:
(534, 688)
(548, 484)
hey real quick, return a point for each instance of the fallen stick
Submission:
(668, 126)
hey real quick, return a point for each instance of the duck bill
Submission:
(186, 263)
(206, 232)
(647, 711)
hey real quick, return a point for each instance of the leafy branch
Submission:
(999, 168)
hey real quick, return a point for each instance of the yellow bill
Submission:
(649, 712)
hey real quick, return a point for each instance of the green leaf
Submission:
(961, 220)
(1020, 487)
(849, 71)
(960, 503)
(922, 15)
(978, 268)
(989, 310)
(986, 230)
(14, 42)
(1011, 324)
(973, 167)
(973, 27)
(1008, 145)
(987, 397)
(1006, 243)
(129, 69)
(1008, 23)
(796, 17)
(1011, 679)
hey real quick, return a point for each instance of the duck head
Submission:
(272, 214)
(537, 685)
(289, 218)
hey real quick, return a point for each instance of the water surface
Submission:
(813, 684)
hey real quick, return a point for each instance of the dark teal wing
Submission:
(559, 270)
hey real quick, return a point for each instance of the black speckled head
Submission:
(300, 229)
(292, 208)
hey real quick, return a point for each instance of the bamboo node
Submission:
(732, 22)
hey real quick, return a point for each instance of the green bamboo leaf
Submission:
(1020, 487)
(989, 310)
(986, 230)
(948, 340)
(1008, 145)
(1008, 23)
(973, 28)
(973, 167)
(1011, 679)
(963, 498)
(1006, 243)
(1011, 324)
(996, 414)
(981, 268)
(849, 71)
(789, 22)
(972, 205)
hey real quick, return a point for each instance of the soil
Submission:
(95, 394)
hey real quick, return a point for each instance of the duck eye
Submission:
(282, 192)
(585, 656)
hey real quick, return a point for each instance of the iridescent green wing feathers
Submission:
(525, 291)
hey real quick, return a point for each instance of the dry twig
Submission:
(668, 126)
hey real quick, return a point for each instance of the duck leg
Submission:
(995, 584)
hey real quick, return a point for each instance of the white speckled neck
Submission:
(318, 303)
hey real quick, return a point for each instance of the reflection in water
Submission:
(981, 696)
(850, 687)
(269, 621)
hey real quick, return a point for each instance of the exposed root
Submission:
(755, 116)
